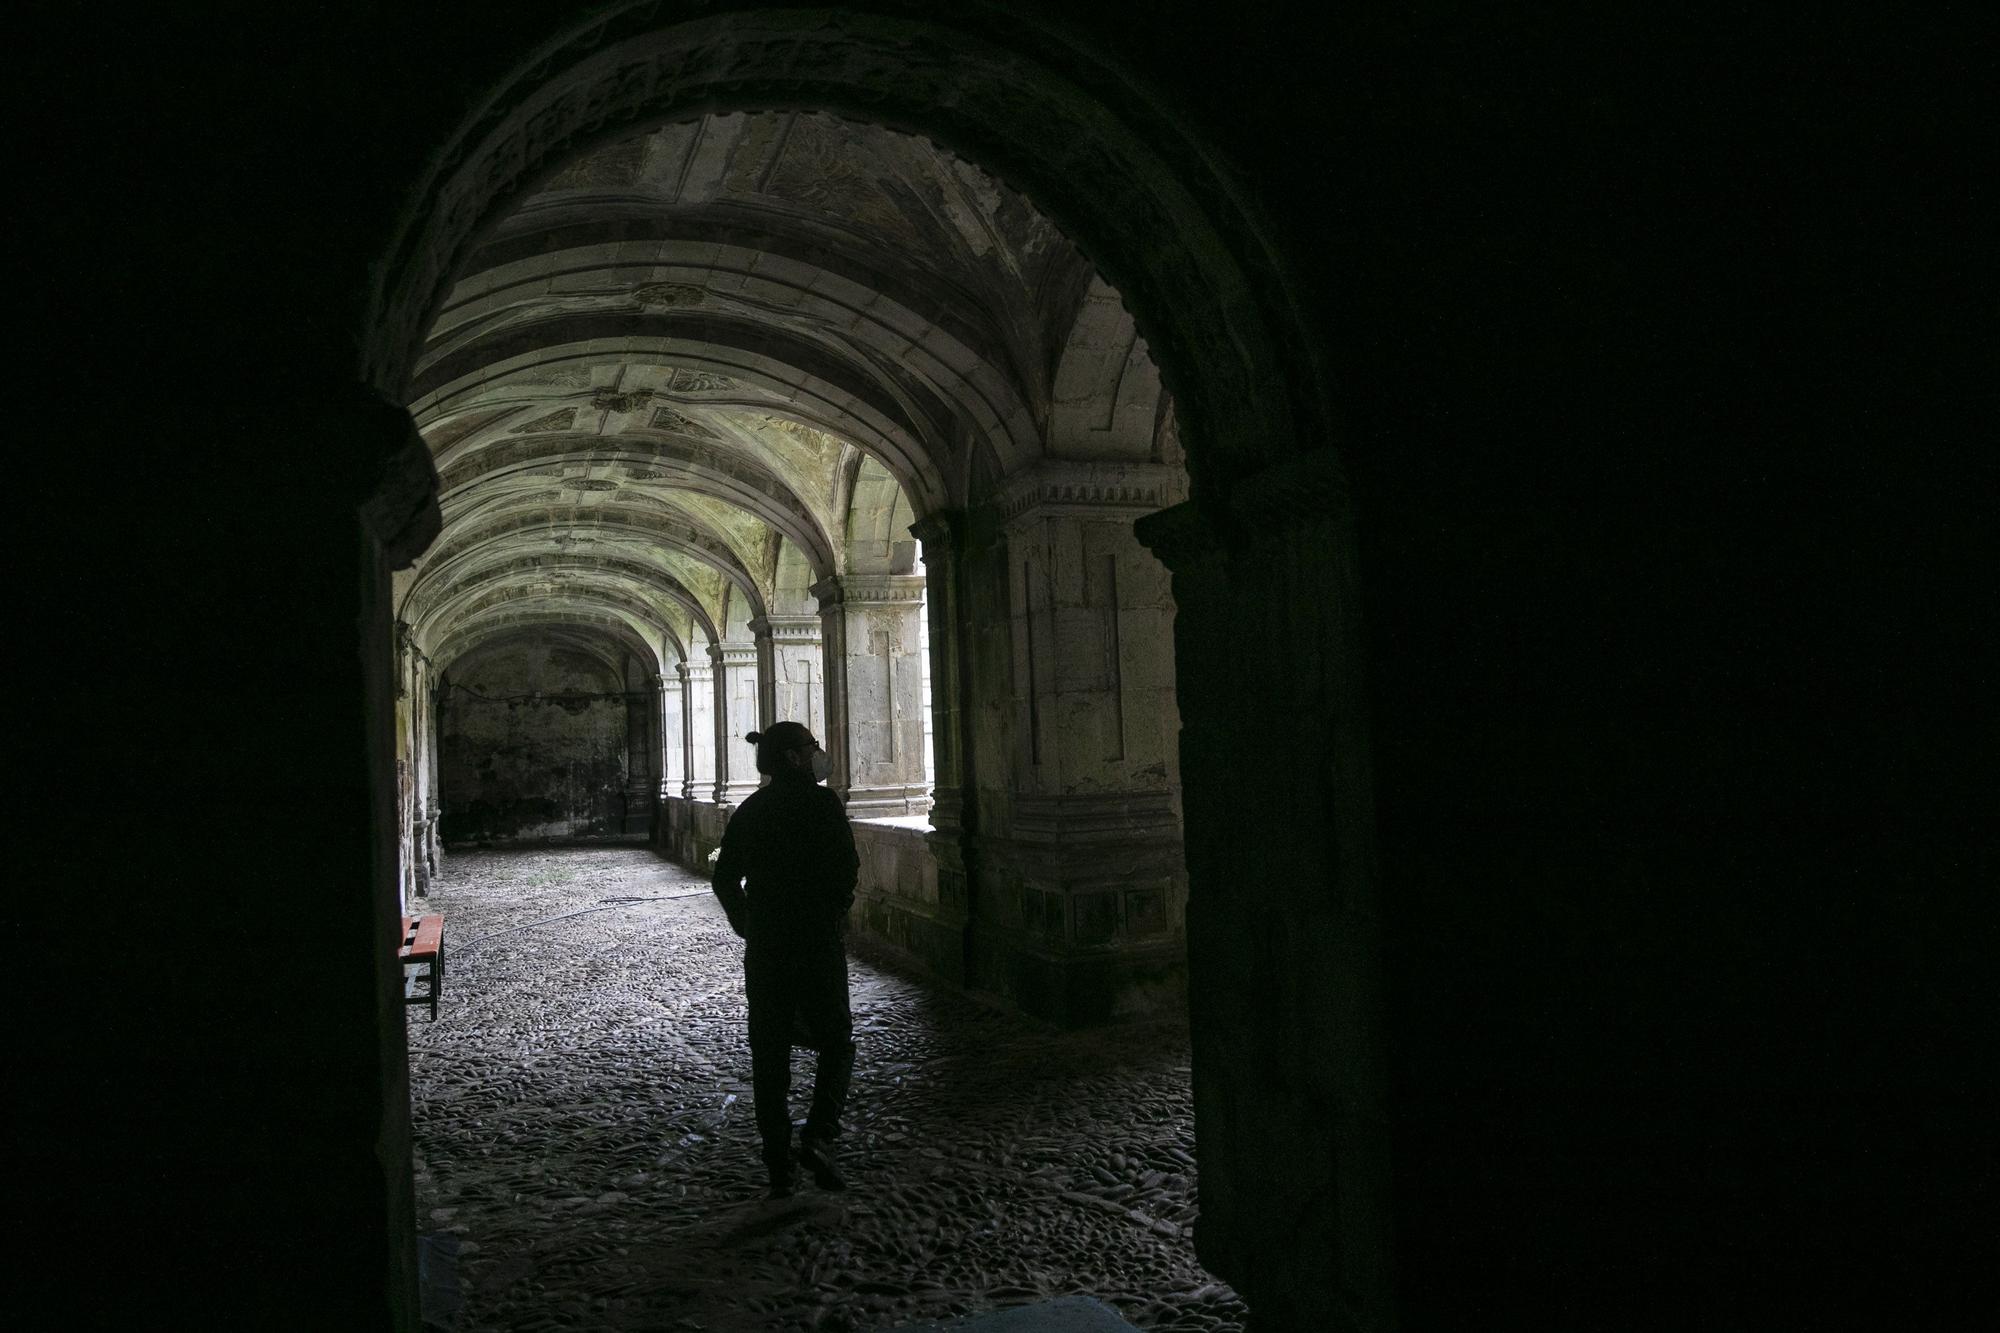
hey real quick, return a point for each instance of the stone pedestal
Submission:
(736, 716)
(874, 673)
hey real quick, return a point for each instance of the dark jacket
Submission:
(791, 842)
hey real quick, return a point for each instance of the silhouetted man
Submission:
(791, 841)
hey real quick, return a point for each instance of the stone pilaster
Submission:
(1284, 935)
(1080, 891)
(698, 729)
(954, 819)
(870, 626)
(673, 751)
(642, 782)
(792, 671)
(736, 709)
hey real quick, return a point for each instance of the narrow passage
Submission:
(583, 1131)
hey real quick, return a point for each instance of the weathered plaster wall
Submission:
(533, 744)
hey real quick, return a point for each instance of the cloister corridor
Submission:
(585, 1149)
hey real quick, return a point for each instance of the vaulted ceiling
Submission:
(705, 367)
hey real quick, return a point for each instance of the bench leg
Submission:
(437, 980)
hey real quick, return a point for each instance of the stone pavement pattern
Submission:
(583, 1128)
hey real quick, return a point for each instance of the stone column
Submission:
(796, 671)
(833, 655)
(424, 802)
(870, 623)
(409, 833)
(953, 818)
(698, 730)
(673, 744)
(642, 744)
(736, 708)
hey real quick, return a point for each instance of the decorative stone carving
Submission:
(686, 380)
(617, 400)
(870, 590)
(548, 423)
(667, 295)
(1055, 488)
(673, 419)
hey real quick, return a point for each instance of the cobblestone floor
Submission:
(583, 1129)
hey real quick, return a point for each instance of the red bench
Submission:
(423, 946)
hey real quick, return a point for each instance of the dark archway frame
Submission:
(1266, 540)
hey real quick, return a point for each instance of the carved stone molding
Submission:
(940, 529)
(870, 590)
(797, 631)
(692, 671)
(1096, 817)
(1059, 488)
(732, 656)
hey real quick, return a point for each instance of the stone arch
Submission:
(608, 594)
(631, 577)
(856, 407)
(466, 637)
(733, 478)
(1125, 179)
(535, 532)
(876, 531)
(612, 644)
(1156, 212)
(864, 334)
(1106, 397)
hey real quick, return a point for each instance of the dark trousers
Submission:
(798, 996)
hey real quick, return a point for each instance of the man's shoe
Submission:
(816, 1155)
(779, 1170)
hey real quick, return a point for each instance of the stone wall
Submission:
(689, 830)
(897, 901)
(533, 744)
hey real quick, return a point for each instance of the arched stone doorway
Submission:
(1283, 939)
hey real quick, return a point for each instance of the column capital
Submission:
(939, 528)
(1064, 488)
(724, 655)
(870, 590)
(691, 669)
(1179, 538)
(788, 629)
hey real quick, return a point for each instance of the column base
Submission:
(734, 793)
(1077, 989)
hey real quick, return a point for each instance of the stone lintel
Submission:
(1065, 488)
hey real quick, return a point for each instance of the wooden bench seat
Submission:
(423, 948)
